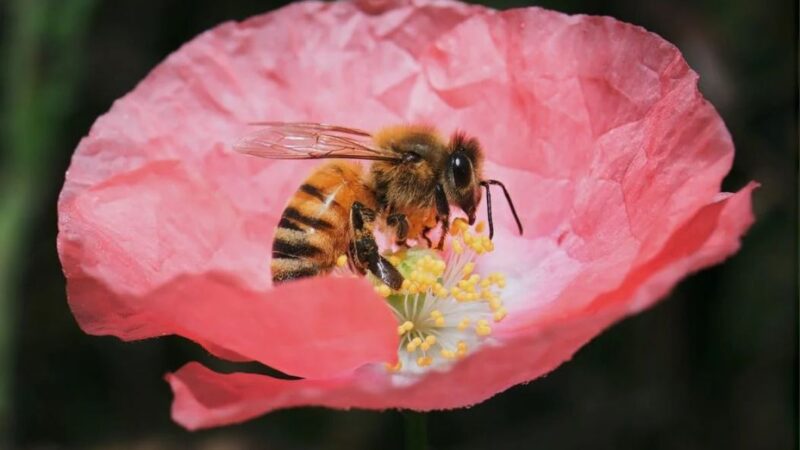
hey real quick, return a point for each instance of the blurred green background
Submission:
(714, 366)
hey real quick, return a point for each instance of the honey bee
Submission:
(413, 178)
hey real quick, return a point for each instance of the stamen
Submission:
(445, 305)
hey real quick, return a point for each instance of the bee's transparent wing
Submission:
(303, 140)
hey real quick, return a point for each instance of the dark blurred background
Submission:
(714, 366)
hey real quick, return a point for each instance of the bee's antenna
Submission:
(485, 184)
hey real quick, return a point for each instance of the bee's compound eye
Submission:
(462, 170)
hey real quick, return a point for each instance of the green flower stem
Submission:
(416, 430)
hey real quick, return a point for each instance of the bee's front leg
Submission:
(399, 222)
(425, 232)
(442, 213)
(364, 250)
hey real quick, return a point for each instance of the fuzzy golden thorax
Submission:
(427, 160)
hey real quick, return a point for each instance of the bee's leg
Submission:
(442, 213)
(425, 232)
(352, 262)
(364, 249)
(399, 222)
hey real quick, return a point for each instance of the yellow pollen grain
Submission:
(405, 327)
(406, 285)
(412, 346)
(424, 361)
(482, 328)
(468, 238)
(394, 260)
(447, 354)
(383, 290)
(500, 314)
(468, 268)
(341, 261)
(461, 349)
(480, 226)
(428, 343)
(437, 317)
(463, 324)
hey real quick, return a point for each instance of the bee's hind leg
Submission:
(399, 222)
(364, 249)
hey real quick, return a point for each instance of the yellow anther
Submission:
(495, 304)
(461, 349)
(341, 261)
(500, 314)
(468, 238)
(468, 268)
(437, 317)
(406, 285)
(463, 324)
(482, 328)
(383, 290)
(393, 368)
(414, 275)
(394, 260)
(447, 354)
(412, 345)
(485, 283)
(488, 245)
(405, 327)
(457, 247)
(424, 361)
(480, 226)
(428, 343)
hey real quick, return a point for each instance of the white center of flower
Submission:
(444, 310)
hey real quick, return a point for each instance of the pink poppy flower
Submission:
(597, 128)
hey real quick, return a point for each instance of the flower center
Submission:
(444, 309)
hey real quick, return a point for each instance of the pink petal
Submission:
(298, 329)
(614, 158)
(204, 398)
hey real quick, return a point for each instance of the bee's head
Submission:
(463, 174)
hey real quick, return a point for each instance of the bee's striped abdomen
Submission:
(314, 228)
